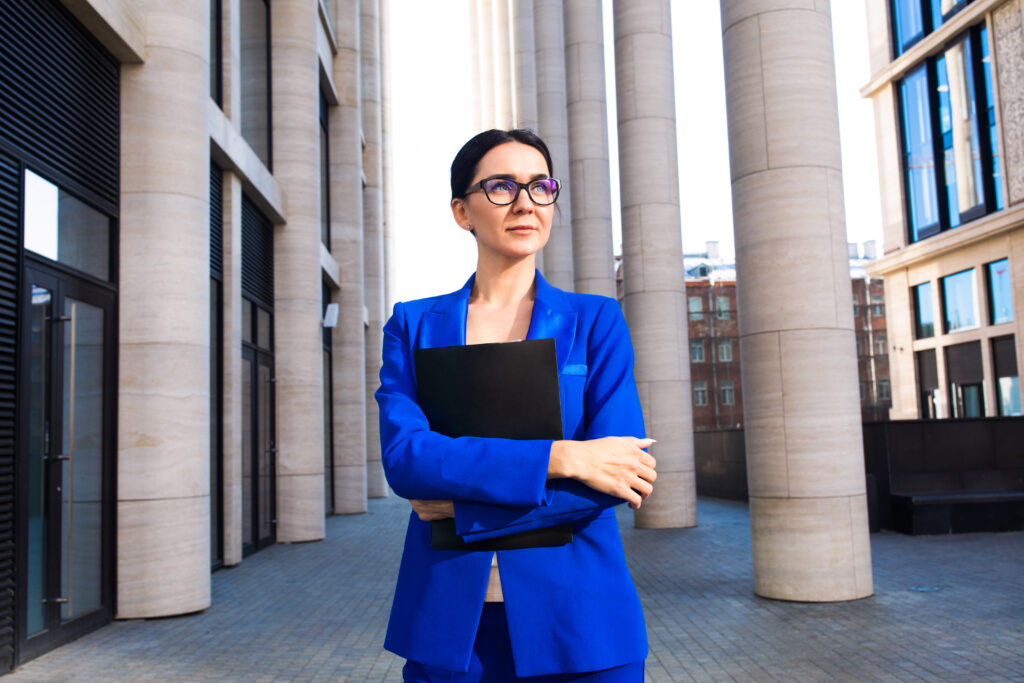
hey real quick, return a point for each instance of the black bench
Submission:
(957, 512)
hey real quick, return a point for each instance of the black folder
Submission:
(505, 390)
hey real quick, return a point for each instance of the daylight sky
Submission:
(432, 115)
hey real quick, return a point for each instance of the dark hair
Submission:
(466, 161)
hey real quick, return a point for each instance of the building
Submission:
(186, 190)
(946, 85)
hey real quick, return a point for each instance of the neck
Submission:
(505, 283)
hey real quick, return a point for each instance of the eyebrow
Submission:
(509, 176)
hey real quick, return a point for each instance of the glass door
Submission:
(259, 454)
(65, 460)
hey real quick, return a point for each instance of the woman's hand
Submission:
(615, 465)
(433, 510)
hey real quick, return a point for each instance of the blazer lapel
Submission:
(553, 318)
(445, 322)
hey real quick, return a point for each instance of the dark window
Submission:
(924, 315)
(325, 175)
(884, 392)
(947, 113)
(1000, 295)
(958, 301)
(216, 76)
(880, 344)
(722, 307)
(728, 393)
(725, 351)
(927, 383)
(254, 22)
(965, 377)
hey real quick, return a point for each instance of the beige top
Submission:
(494, 583)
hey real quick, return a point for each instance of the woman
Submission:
(561, 613)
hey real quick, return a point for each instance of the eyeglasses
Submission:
(505, 191)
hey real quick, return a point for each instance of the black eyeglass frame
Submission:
(519, 188)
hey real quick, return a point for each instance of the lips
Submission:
(521, 229)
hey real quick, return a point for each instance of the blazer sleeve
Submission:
(611, 408)
(426, 465)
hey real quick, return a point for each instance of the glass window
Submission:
(909, 23)
(958, 301)
(958, 120)
(877, 306)
(964, 373)
(697, 351)
(990, 118)
(880, 344)
(924, 323)
(863, 391)
(920, 155)
(325, 175)
(1004, 365)
(254, 23)
(696, 307)
(999, 292)
(722, 307)
(700, 393)
(263, 331)
(216, 82)
(884, 392)
(65, 229)
(728, 393)
(725, 351)
(942, 9)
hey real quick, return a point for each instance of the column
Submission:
(298, 343)
(231, 423)
(163, 439)
(476, 66)
(502, 79)
(592, 249)
(549, 40)
(349, 337)
(525, 73)
(652, 253)
(805, 463)
(484, 31)
(373, 235)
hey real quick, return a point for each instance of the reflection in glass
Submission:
(82, 489)
(262, 328)
(65, 229)
(328, 440)
(959, 123)
(254, 23)
(1000, 293)
(958, 299)
(990, 109)
(38, 446)
(1009, 396)
(920, 158)
(924, 315)
(966, 400)
(247, 307)
(909, 23)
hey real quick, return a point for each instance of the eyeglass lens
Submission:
(504, 190)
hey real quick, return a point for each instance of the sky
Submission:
(432, 115)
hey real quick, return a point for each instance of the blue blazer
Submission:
(570, 608)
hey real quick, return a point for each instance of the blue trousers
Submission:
(492, 661)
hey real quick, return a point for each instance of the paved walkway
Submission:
(945, 608)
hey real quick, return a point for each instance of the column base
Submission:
(811, 549)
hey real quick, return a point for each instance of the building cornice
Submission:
(931, 44)
(943, 243)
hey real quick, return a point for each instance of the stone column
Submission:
(592, 249)
(484, 31)
(525, 72)
(298, 342)
(805, 462)
(349, 338)
(549, 40)
(163, 439)
(231, 422)
(373, 235)
(501, 83)
(652, 253)
(387, 182)
(476, 68)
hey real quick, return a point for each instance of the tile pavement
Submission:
(947, 608)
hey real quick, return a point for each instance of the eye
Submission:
(500, 186)
(544, 187)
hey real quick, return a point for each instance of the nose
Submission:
(523, 203)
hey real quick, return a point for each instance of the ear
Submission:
(460, 214)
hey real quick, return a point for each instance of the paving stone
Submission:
(317, 612)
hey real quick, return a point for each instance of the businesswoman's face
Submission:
(516, 230)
